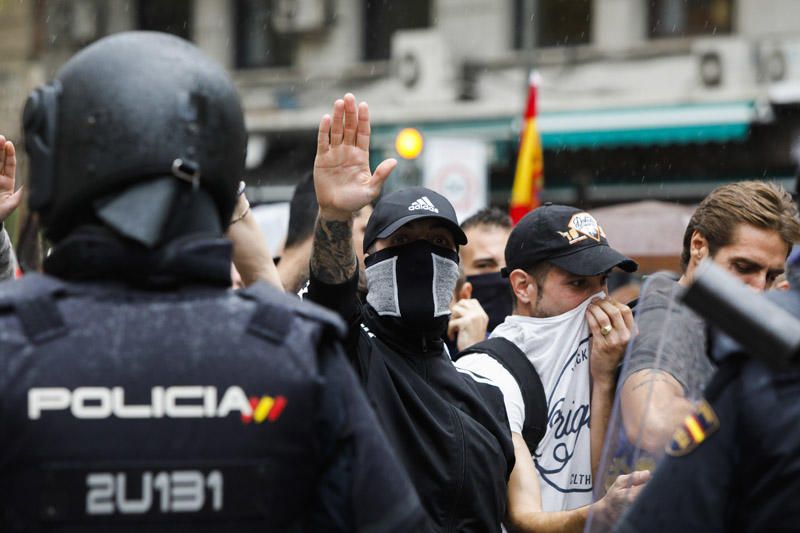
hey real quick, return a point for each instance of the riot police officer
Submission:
(136, 390)
(734, 464)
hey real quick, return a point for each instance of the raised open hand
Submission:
(9, 200)
(342, 177)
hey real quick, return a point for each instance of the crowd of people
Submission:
(396, 370)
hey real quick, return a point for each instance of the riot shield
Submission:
(670, 343)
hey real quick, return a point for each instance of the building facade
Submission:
(639, 98)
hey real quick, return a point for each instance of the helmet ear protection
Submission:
(154, 91)
(39, 120)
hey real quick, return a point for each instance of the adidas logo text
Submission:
(423, 203)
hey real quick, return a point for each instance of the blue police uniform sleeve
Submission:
(691, 487)
(341, 298)
(364, 487)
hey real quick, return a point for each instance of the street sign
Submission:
(457, 169)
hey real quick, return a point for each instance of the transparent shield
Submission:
(663, 374)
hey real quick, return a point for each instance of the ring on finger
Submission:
(605, 330)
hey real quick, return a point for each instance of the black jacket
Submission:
(449, 429)
(194, 408)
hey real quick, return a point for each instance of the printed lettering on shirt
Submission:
(567, 424)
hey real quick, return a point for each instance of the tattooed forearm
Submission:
(333, 259)
(650, 382)
(653, 376)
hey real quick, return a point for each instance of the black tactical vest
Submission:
(139, 410)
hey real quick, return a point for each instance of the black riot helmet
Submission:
(135, 128)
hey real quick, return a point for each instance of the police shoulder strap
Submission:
(522, 370)
(33, 300)
(273, 315)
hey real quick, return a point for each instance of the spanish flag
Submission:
(529, 176)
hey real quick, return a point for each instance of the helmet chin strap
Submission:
(159, 210)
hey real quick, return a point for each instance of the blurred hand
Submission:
(9, 199)
(608, 350)
(619, 496)
(342, 179)
(468, 323)
(251, 255)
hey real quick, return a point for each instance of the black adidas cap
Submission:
(401, 207)
(566, 237)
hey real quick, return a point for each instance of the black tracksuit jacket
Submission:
(449, 429)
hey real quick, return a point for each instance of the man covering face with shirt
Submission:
(557, 262)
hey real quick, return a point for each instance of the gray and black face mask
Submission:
(413, 282)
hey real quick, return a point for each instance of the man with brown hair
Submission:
(746, 227)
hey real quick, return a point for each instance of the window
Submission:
(173, 17)
(258, 44)
(564, 22)
(555, 22)
(680, 18)
(383, 17)
(63, 26)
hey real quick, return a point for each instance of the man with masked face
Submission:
(483, 257)
(568, 340)
(484, 293)
(448, 428)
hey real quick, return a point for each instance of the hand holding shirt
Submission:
(559, 349)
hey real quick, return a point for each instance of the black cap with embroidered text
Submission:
(401, 207)
(566, 237)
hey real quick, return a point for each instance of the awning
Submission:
(690, 123)
(646, 228)
(649, 232)
(596, 128)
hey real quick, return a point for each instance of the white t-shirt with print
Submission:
(558, 347)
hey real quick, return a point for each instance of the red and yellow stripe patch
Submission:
(264, 408)
(696, 428)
